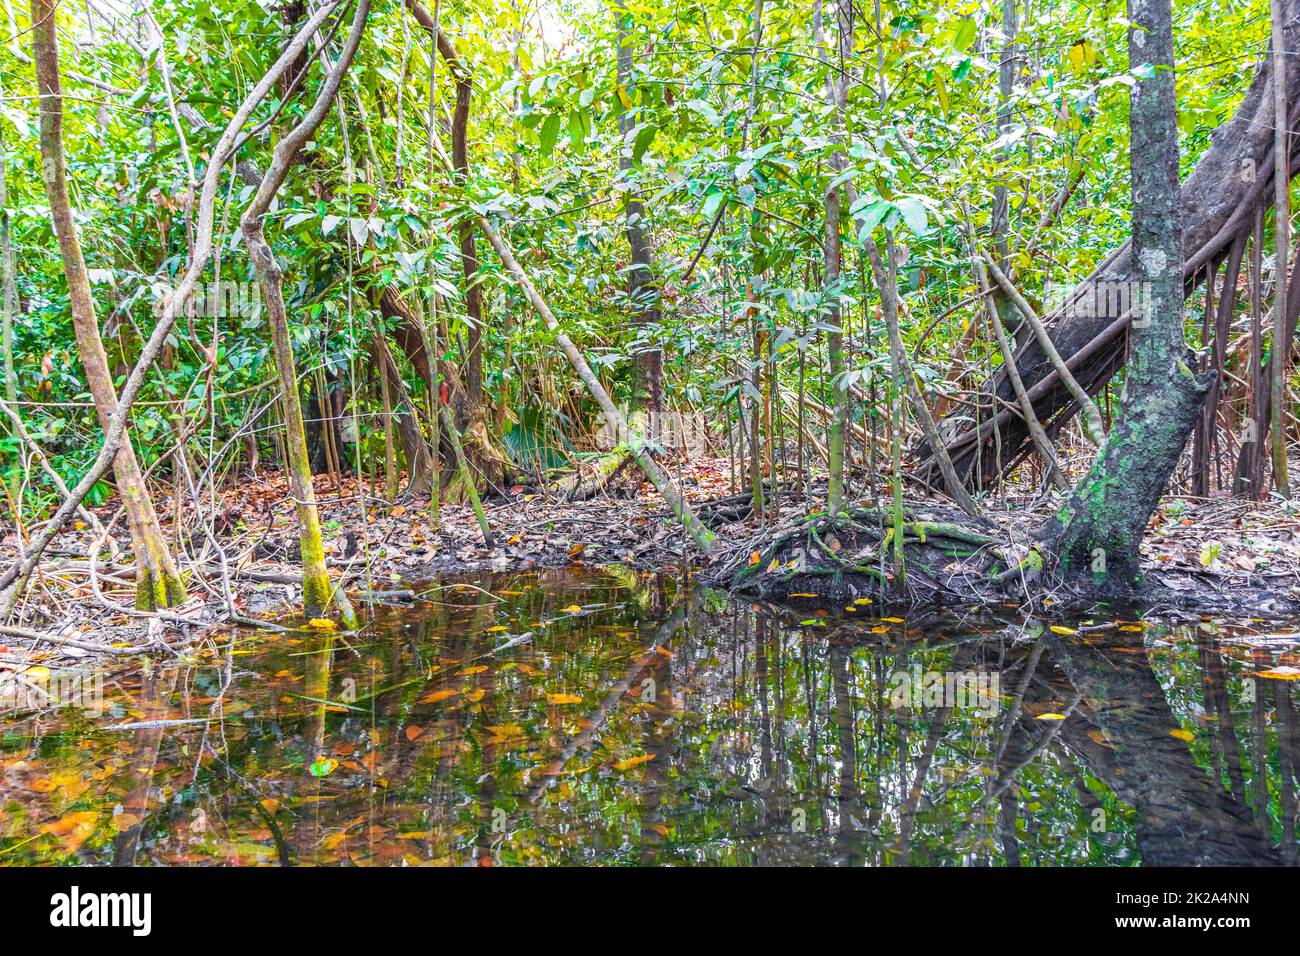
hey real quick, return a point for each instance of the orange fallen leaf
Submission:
(438, 695)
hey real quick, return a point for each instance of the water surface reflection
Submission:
(606, 717)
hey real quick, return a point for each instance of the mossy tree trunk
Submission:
(158, 583)
(318, 593)
(1095, 537)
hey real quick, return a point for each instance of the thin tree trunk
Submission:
(1281, 250)
(648, 370)
(837, 96)
(158, 583)
(8, 281)
(318, 592)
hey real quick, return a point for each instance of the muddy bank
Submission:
(1214, 556)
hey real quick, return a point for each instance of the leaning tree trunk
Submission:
(157, 582)
(1096, 535)
(1216, 203)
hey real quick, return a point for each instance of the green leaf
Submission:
(965, 35)
(550, 131)
(913, 213)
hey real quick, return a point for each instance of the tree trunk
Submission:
(318, 593)
(648, 367)
(1096, 536)
(837, 88)
(157, 582)
(8, 281)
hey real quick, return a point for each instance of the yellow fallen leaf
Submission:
(864, 601)
(893, 620)
(322, 623)
(413, 731)
(563, 699)
(571, 609)
(475, 696)
(497, 629)
(1280, 673)
(624, 765)
(1182, 734)
(803, 595)
(1058, 629)
(1050, 717)
(476, 669)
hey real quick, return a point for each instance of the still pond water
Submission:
(612, 717)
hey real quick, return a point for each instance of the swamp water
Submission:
(611, 717)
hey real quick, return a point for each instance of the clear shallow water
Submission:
(645, 721)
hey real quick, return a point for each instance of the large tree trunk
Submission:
(1217, 202)
(1096, 536)
(157, 582)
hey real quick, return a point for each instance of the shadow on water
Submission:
(607, 717)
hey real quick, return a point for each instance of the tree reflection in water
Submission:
(644, 721)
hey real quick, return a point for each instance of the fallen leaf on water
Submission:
(1058, 629)
(1182, 734)
(863, 601)
(625, 765)
(322, 623)
(475, 696)
(438, 695)
(476, 669)
(73, 828)
(497, 629)
(571, 609)
(1280, 673)
(563, 699)
(1050, 717)
(413, 731)
(803, 595)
